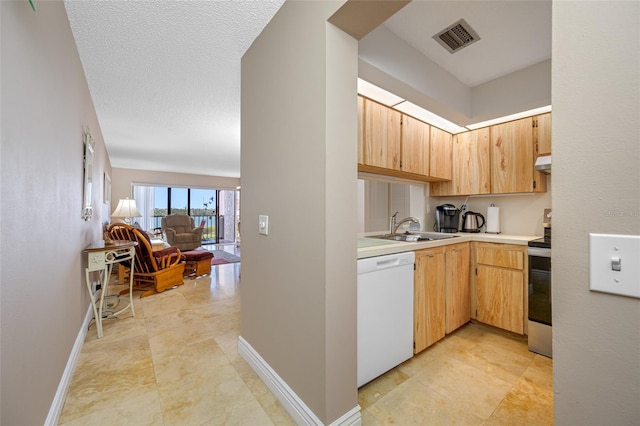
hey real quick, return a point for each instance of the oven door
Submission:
(540, 285)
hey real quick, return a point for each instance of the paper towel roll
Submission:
(493, 220)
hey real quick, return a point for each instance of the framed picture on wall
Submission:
(107, 188)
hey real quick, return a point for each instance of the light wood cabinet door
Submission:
(360, 130)
(471, 165)
(472, 162)
(512, 157)
(458, 300)
(500, 297)
(498, 287)
(500, 255)
(440, 155)
(381, 146)
(542, 134)
(429, 298)
(415, 146)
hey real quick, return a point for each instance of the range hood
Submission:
(543, 164)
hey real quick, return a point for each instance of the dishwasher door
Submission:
(385, 313)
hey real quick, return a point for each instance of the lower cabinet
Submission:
(458, 299)
(500, 276)
(428, 298)
(441, 293)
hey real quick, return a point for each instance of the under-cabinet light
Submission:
(510, 117)
(428, 117)
(384, 97)
(372, 91)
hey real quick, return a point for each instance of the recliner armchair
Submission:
(180, 231)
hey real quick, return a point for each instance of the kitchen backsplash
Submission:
(519, 214)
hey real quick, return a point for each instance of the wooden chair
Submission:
(154, 271)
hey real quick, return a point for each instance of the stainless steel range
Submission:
(540, 294)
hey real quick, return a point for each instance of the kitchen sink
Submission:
(414, 236)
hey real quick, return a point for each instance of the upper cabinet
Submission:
(440, 162)
(542, 134)
(498, 159)
(394, 144)
(512, 158)
(492, 160)
(471, 165)
(380, 136)
(415, 146)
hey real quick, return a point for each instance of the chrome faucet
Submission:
(406, 219)
(392, 223)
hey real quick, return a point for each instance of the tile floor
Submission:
(176, 363)
(475, 376)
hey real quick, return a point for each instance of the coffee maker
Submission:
(447, 218)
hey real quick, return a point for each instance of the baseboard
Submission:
(58, 400)
(300, 412)
(350, 418)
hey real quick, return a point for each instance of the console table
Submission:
(101, 257)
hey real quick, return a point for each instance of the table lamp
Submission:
(126, 209)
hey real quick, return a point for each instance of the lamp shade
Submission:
(126, 209)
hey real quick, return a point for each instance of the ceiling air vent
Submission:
(456, 36)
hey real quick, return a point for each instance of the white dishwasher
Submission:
(385, 313)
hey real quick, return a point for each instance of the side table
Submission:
(101, 257)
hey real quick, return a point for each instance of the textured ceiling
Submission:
(164, 76)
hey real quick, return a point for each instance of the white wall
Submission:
(520, 214)
(390, 63)
(45, 105)
(404, 69)
(496, 98)
(379, 199)
(596, 188)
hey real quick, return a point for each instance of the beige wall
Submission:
(45, 104)
(520, 214)
(596, 154)
(299, 160)
(122, 179)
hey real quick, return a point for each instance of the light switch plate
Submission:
(614, 264)
(263, 224)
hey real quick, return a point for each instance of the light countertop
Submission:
(370, 247)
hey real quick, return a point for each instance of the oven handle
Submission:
(539, 252)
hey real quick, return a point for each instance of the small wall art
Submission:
(107, 188)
